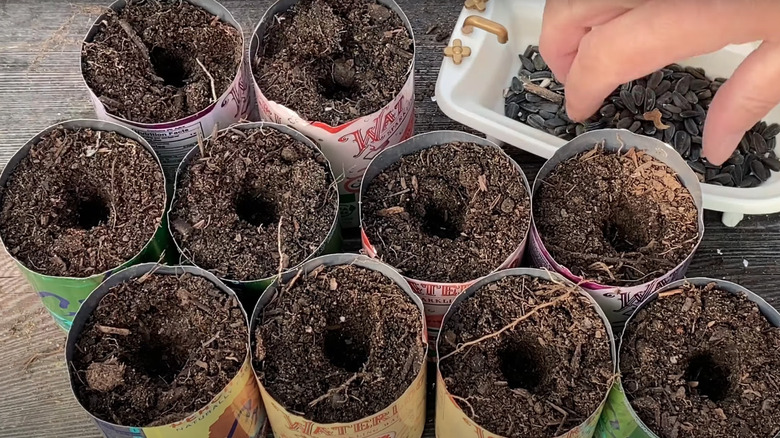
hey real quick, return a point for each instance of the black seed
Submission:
(719, 79)
(550, 107)
(759, 143)
(710, 173)
(696, 139)
(517, 98)
(572, 128)
(625, 123)
(655, 79)
(675, 67)
(627, 86)
(541, 74)
(749, 181)
(659, 135)
(668, 107)
(554, 123)
(556, 86)
(608, 110)
(697, 167)
(669, 134)
(635, 126)
(683, 85)
(680, 101)
(663, 87)
(704, 94)
(696, 72)
(580, 130)
(682, 143)
(663, 98)
(560, 130)
(760, 170)
(736, 158)
(691, 98)
(530, 50)
(699, 84)
(512, 110)
(677, 118)
(714, 87)
(740, 169)
(772, 163)
(625, 113)
(688, 114)
(700, 110)
(539, 62)
(709, 165)
(527, 63)
(649, 99)
(536, 121)
(695, 151)
(593, 125)
(722, 178)
(666, 114)
(546, 114)
(649, 128)
(530, 97)
(562, 114)
(530, 107)
(771, 131)
(524, 73)
(628, 101)
(517, 85)
(638, 92)
(771, 143)
(759, 127)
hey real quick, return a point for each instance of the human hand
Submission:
(594, 46)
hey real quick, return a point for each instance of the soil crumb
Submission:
(450, 213)
(155, 351)
(541, 378)
(252, 190)
(339, 344)
(81, 203)
(700, 362)
(334, 60)
(617, 219)
(150, 63)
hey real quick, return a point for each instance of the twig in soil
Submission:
(333, 391)
(211, 79)
(466, 402)
(509, 326)
(563, 421)
(134, 37)
(113, 330)
(213, 338)
(670, 293)
(201, 146)
(279, 247)
(391, 211)
(541, 92)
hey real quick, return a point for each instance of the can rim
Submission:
(428, 140)
(650, 145)
(282, 6)
(126, 275)
(184, 165)
(210, 6)
(544, 275)
(768, 311)
(75, 124)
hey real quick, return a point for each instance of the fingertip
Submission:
(579, 110)
(718, 149)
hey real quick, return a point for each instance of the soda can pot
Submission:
(62, 296)
(352, 145)
(452, 421)
(404, 418)
(618, 302)
(331, 244)
(619, 420)
(437, 297)
(173, 139)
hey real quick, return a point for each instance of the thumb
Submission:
(747, 97)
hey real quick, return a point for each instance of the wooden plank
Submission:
(40, 85)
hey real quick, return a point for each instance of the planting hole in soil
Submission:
(701, 362)
(339, 344)
(526, 357)
(449, 213)
(334, 60)
(153, 62)
(620, 219)
(157, 349)
(253, 189)
(97, 198)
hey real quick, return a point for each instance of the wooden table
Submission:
(40, 85)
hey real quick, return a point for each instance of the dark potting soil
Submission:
(81, 203)
(669, 104)
(334, 60)
(450, 213)
(703, 363)
(540, 378)
(619, 219)
(255, 189)
(149, 62)
(339, 344)
(157, 349)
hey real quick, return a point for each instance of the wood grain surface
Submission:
(40, 85)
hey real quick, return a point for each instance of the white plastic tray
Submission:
(472, 93)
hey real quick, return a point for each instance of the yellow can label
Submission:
(405, 418)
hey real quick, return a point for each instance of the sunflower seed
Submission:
(669, 134)
(687, 114)
(560, 130)
(638, 92)
(530, 50)
(659, 135)
(663, 87)
(627, 86)
(536, 121)
(550, 107)
(546, 114)
(699, 84)
(655, 79)
(722, 178)
(628, 101)
(771, 131)
(608, 110)
(668, 107)
(704, 94)
(530, 97)
(649, 99)
(696, 72)
(517, 85)
(512, 110)
(675, 67)
(771, 143)
(554, 123)
(635, 126)
(530, 107)
(771, 163)
(744, 144)
(700, 110)
(759, 126)
(556, 86)
(683, 85)
(663, 98)
(527, 63)
(680, 101)
(541, 74)
(625, 123)
(749, 181)
(524, 73)
(759, 143)
(697, 166)
(736, 158)
(517, 98)
(691, 127)
(696, 139)
(710, 173)
(691, 98)
(580, 130)
(682, 143)
(714, 87)
(539, 63)
(760, 170)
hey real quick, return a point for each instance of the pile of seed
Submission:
(670, 104)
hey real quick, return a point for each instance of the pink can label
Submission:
(619, 303)
(351, 147)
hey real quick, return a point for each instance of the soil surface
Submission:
(334, 60)
(254, 189)
(81, 203)
(541, 378)
(339, 344)
(618, 219)
(703, 363)
(451, 213)
(157, 349)
(149, 63)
